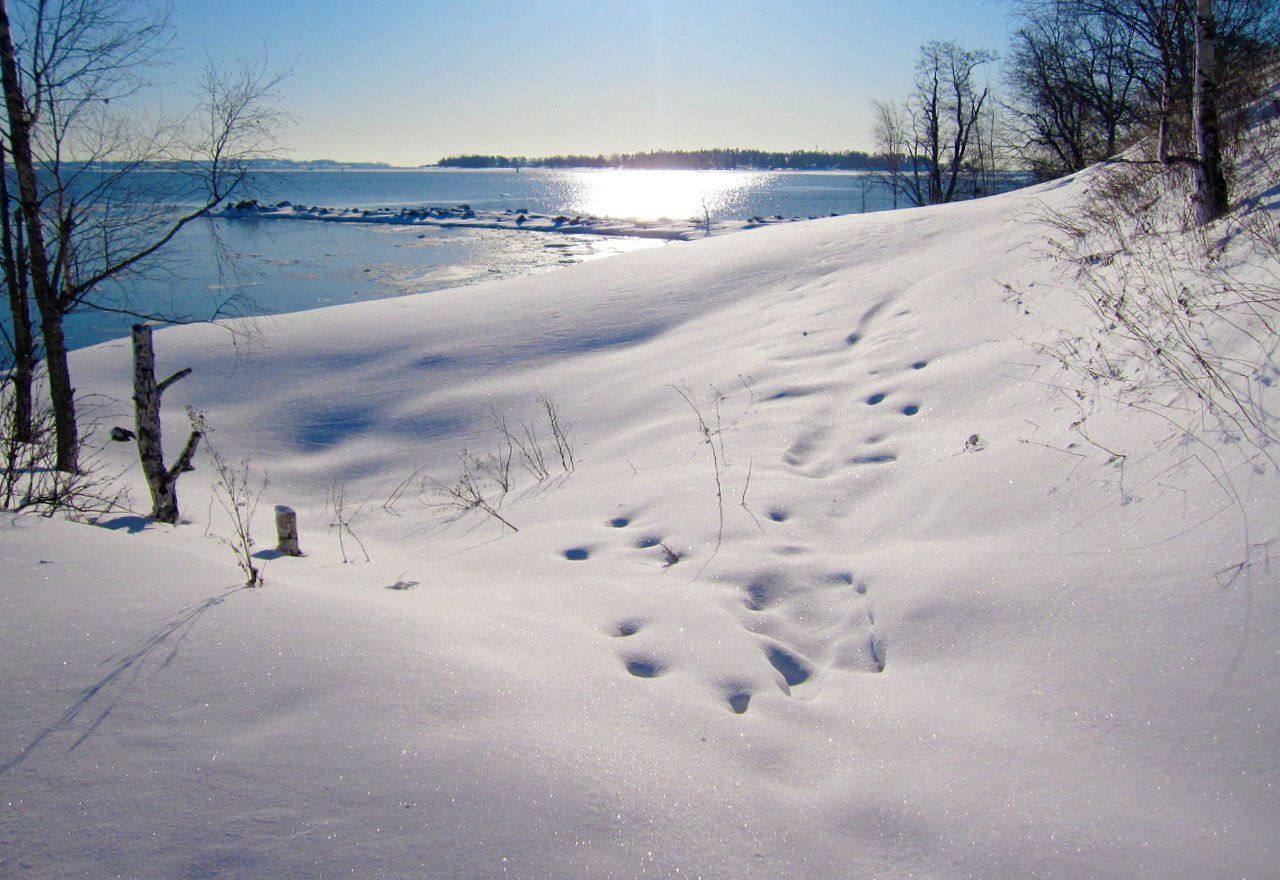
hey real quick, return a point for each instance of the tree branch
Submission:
(78, 290)
(181, 374)
(188, 453)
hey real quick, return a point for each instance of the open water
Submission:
(231, 267)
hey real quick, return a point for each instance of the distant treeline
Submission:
(697, 160)
(252, 164)
(317, 165)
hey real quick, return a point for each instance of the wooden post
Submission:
(287, 531)
(162, 481)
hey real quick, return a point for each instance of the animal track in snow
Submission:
(627, 628)
(577, 554)
(876, 648)
(802, 450)
(795, 392)
(777, 514)
(811, 618)
(871, 313)
(878, 397)
(919, 365)
(911, 409)
(762, 592)
(794, 669)
(790, 550)
(644, 667)
(874, 458)
(739, 699)
(619, 522)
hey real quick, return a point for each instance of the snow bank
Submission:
(887, 649)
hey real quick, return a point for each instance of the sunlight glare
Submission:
(661, 195)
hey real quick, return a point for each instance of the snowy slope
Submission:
(895, 657)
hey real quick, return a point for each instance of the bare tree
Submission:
(1073, 89)
(90, 216)
(990, 148)
(1089, 75)
(944, 108)
(892, 142)
(1136, 59)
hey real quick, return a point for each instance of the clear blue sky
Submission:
(409, 81)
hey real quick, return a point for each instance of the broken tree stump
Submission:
(287, 531)
(161, 480)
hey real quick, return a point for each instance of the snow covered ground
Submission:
(887, 649)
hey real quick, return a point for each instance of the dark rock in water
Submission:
(560, 219)
(468, 215)
(284, 204)
(121, 435)
(521, 218)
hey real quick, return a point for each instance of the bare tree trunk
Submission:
(1166, 109)
(1164, 20)
(24, 349)
(162, 481)
(933, 133)
(1211, 199)
(61, 394)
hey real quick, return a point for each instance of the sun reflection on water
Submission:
(661, 195)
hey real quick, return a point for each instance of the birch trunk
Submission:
(1211, 198)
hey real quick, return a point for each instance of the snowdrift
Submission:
(833, 589)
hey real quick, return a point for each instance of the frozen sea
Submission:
(236, 267)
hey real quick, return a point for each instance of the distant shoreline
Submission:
(528, 168)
